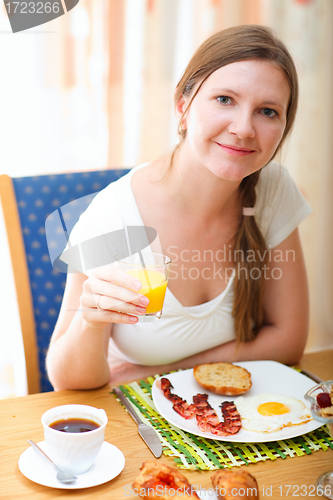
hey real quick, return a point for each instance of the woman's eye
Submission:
(270, 113)
(223, 99)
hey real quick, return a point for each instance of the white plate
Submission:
(267, 376)
(109, 463)
(208, 494)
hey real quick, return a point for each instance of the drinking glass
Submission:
(324, 481)
(152, 270)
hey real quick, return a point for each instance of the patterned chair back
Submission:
(37, 197)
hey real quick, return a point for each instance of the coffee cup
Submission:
(74, 435)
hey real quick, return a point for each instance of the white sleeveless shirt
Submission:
(184, 331)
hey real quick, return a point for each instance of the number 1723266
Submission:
(288, 490)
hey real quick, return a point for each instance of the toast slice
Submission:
(223, 378)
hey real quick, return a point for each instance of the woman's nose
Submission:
(242, 126)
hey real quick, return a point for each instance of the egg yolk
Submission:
(270, 409)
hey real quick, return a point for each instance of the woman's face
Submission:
(237, 119)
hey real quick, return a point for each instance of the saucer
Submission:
(109, 463)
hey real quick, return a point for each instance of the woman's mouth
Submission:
(235, 150)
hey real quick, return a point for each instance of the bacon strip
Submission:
(231, 418)
(208, 421)
(179, 405)
(205, 415)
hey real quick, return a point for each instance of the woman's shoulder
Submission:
(123, 181)
(116, 189)
(274, 180)
(110, 209)
(273, 173)
(280, 205)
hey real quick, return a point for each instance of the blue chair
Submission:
(26, 203)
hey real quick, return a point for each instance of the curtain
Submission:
(306, 27)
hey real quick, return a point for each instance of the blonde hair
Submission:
(225, 47)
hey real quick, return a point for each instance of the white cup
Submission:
(74, 452)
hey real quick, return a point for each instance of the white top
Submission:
(184, 331)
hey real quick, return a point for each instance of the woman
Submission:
(226, 215)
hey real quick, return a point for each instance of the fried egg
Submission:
(271, 412)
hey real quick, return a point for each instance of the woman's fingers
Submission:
(115, 275)
(97, 318)
(109, 295)
(93, 297)
(113, 304)
(115, 290)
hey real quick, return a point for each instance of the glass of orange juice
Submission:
(152, 269)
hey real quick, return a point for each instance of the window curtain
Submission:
(306, 27)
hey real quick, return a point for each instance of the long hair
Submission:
(225, 47)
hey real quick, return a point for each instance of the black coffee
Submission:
(74, 425)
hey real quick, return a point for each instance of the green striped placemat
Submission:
(195, 452)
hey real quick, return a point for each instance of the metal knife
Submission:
(148, 434)
(315, 378)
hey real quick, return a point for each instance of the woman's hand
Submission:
(111, 296)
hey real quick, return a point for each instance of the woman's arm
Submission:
(283, 336)
(77, 356)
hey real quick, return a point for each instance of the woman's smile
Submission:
(235, 150)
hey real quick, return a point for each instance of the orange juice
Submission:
(153, 286)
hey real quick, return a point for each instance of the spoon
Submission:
(62, 476)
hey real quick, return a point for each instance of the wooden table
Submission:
(20, 420)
